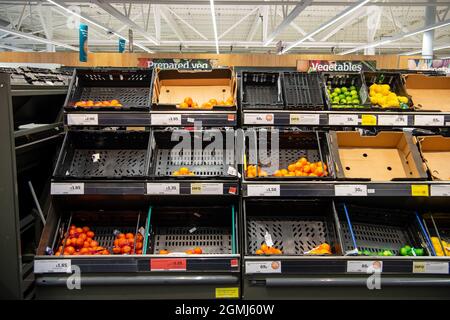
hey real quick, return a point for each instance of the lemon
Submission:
(373, 100)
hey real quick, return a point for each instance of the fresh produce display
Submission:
(381, 253)
(189, 103)
(90, 103)
(252, 172)
(301, 168)
(80, 241)
(381, 94)
(410, 251)
(324, 248)
(183, 171)
(128, 243)
(443, 250)
(266, 250)
(343, 96)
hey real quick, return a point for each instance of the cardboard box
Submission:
(435, 152)
(429, 93)
(170, 87)
(384, 157)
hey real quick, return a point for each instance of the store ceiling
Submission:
(242, 26)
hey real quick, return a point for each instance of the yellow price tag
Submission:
(227, 293)
(368, 120)
(419, 190)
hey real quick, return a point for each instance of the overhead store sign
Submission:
(429, 64)
(178, 64)
(335, 66)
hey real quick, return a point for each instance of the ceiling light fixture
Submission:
(213, 14)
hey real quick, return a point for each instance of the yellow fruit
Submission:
(284, 172)
(213, 102)
(291, 168)
(373, 100)
(176, 173)
(207, 105)
(184, 105)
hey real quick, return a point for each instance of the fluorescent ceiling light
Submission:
(398, 37)
(213, 14)
(38, 39)
(411, 53)
(98, 25)
(324, 26)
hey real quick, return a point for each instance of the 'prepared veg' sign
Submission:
(335, 66)
(178, 64)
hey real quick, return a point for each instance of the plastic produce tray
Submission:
(292, 146)
(104, 155)
(340, 79)
(261, 90)
(203, 164)
(178, 229)
(103, 225)
(303, 91)
(297, 227)
(377, 229)
(394, 80)
(131, 87)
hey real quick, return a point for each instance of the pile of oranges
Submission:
(189, 103)
(128, 243)
(196, 250)
(90, 103)
(303, 168)
(324, 248)
(265, 249)
(80, 241)
(183, 171)
(252, 172)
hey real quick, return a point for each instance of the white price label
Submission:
(431, 267)
(66, 188)
(166, 119)
(258, 118)
(440, 190)
(163, 188)
(353, 190)
(427, 120)
(311, 119)
(263, 190)
(85, 119)
(343, 119)
(207, 188)
(262, 267)
(53, 266)
(392, 120)
(364, 266)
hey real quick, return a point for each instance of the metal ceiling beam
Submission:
(296, 27)
(357, 15)
(398, 24)
(165, 14)
(238, 23)
(186, 23)
(124, 19)
(287, 21)
(12, 48)
(254, 27)
(250, 3)
(157, 21)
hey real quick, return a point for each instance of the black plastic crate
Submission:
(339, 79)
(295, 226)
(261, 90)
(130, 87)
(292, 146)
(303, 90)
(178, 229)
(104, 224)
(394, 80)
(438, 228)
(204, 162)
(379, 229)
(104, 155)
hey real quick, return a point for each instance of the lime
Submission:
(404, 251)
(337, 90)
(334, 94)
(354, 92)
(342, 96)
(366, 252)
(344, 89)
(387, 253)
(343, 101)
(355, 101)
(419, 251)
(352, 88)
(347, 94)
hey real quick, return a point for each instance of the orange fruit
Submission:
(114, 101)
(184, 105)
(188, 101)
(303, 161)
(140, 236)
(84, 251)
(176, 173)
(161, 252)
(116, 250)
(313, 175)
(79, 243)
(195, 105)
(138, 251)
(277, 173)
(68, 242)
(90, 234)
(69, 250)
(277, 251)
(122, 242)
(284, 172)
(298, 173)
(121, 236)
(319, 172)
(130, 242)
(183, 170)
(82, 236)
(307, 169)
(213, 102)
(259, 252)
(58, 254)
(221, 103)
(94, 244)
(291, 168)
(79, 230)
(126, 249)
(85, 229)
(264, 247)
(129, 236)
(139, 245)
(198, 250)
(190, 251)
(207, 105)
(72, 232)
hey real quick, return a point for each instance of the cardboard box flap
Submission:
(436, 155)
(429, 93)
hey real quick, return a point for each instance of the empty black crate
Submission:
(292, 146)
(202, 161)
(130, 87)
(393, 79)
(303, 90)
(178, 229)
(379, 229)
(295, 226)
(335, 80)
(261, 90)
(438, 228)
(104, 155)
